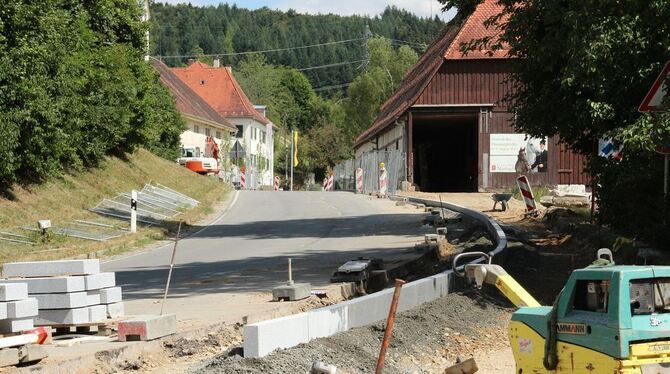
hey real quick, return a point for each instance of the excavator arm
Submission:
(488, 273)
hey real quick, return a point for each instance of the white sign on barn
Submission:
(504, 151)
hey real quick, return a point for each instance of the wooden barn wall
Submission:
(564, 166)
(467, 82)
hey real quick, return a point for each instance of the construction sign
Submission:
(659, 90)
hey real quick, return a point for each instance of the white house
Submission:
(217, 86)
(202, 120)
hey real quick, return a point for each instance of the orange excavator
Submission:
(201, 163)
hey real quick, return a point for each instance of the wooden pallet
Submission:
(100, 328)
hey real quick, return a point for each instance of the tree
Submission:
(74, 88)
(581, 69)
(370, 90)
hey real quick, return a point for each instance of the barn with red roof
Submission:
(450, 118)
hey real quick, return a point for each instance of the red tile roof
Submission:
(187, 101)
(475, 28)
(218, 87)
(446, 46)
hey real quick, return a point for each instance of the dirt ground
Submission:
(427, 339)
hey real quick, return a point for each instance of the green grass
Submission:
(70, 197)
(538, 192)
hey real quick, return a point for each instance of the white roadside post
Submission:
(292, 157)
(133, 211)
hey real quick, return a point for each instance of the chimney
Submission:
(229, 68)
(191, 61)
(216, 63)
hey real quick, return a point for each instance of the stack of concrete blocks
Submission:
(68, 292)
(17, 310)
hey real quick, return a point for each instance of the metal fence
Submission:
(344, 173)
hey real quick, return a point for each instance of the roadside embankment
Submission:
(69, 198)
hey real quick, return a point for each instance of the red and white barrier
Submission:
(527, 194)
(359, 180)
(243, 181)
(383, 181)
(276, 183)
(330, 183)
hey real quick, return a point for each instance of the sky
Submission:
(423, 8)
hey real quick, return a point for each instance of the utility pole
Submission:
(145, 18)
(367, 34)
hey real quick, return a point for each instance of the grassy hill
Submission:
(69, 198)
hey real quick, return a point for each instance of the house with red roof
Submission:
(201, 119)
(451, 120)
(217, 86)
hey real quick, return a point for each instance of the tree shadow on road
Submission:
(369, 225)
(253, 274)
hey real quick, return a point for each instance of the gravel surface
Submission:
(427, 339)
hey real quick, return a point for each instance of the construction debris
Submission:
(466, 367)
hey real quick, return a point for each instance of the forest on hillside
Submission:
(184, 31)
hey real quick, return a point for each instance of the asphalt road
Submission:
(246, 250)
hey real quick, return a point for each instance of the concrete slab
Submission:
(147, 327)
(110, 295)
(16, 325)
(115, 310)
(262, 338)
(31, 353)
(13, 291)
(101, 280)
(22, 308)
(97, 313)
(3, 310)
(328, 321)
(61, 300)
(292, 292)
(75, 316)
(369, 309)
(50, 268)
(9, 357)
(51, 284)
(92, 298)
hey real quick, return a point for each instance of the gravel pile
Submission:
(426, 339)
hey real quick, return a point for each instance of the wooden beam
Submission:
(410, 145)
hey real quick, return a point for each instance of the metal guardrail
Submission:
(494, 229)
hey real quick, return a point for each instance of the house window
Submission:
(240, 131)
(262, 136)
(207, 131)
(218, 134)
(196, 129)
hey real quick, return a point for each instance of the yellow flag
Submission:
(295, 148)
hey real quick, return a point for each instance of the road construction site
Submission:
(225, 270)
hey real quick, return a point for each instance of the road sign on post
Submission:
(652, 102)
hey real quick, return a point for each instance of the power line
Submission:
(324, 88)
(330, 65)
(267, 50)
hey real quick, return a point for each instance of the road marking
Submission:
(216, 220)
